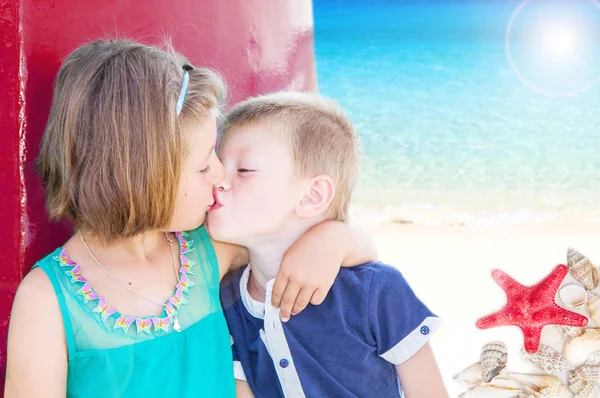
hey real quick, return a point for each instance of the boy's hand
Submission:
(309, 267)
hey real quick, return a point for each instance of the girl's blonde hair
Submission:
(112, 149)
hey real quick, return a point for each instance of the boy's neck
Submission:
(265, 260)
(265, 264)
(255, 291)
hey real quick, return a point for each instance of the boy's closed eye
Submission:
(242, 170)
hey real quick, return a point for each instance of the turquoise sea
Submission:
(469, 112)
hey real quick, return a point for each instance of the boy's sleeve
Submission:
(400, 323)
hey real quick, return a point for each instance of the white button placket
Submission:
(274, 339)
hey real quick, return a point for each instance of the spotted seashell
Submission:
(572, 332)
(493, 360)
(582, 269)
(585, 391)
(586, 373)
(548, 360)
(594, 359)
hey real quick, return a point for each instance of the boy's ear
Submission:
(319, 197)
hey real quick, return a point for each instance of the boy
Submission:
(290, 162)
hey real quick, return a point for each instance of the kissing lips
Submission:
(217, 205)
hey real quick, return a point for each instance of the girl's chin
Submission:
(201, 220)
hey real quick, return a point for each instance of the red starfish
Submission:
(531, 307)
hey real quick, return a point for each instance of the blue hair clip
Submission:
(184, 89)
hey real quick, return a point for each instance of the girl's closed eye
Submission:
(205, 170)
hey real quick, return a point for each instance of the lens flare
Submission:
(557, 45)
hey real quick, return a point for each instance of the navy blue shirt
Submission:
(370, 321)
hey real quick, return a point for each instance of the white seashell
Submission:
(536, 381)
(573, 296)
(578, 350)
(547, 359)
(558, 391)
(471, 376)
(537, 385)
(594, 307)
(490, 392)
(561, 392)
(505, 382)
(493, 360)
(582, 269)
(553, 335)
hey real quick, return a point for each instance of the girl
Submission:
(130, 305)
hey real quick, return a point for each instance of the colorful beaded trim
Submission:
(123, 322)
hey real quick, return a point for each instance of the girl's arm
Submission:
(242, 389)
(37, 350)
(420, 375)
(229, 256)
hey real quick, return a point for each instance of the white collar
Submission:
(255, 308)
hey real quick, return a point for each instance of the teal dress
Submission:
(185, 352)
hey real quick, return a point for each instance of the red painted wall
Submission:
(258, 45)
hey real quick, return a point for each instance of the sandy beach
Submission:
(450, 270)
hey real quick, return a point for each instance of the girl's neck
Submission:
(143, 249)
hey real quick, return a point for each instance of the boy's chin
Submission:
(218, 231)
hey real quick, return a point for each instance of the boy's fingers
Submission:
(287, 301)
(278, 290)
(318, 297)
(302, 301)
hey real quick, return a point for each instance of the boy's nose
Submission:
(224, 185)
(218, 172)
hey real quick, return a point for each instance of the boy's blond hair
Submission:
(112, 149)
(322, 138)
